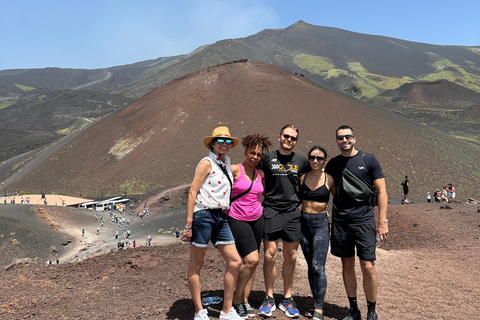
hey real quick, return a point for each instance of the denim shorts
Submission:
(210, 225)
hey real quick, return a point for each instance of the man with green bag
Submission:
(358, 176)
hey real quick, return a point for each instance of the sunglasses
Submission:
(347, 136)
(222, 141)
(318, 158)
(287, 136)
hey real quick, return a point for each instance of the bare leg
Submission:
(369, 280)
(349, 277)
(233, 262)
(195, 264)
(288, 270)
(269, 271)
(245, 278)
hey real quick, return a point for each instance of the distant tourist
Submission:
(451, 193)
(177, 234)
(444, 196)
(245, 217)
(429, 198)
(405, 185)
(149, 240)
(436, 195)
(353, 221)
(208, 198)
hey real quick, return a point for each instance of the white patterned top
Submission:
(216, 189)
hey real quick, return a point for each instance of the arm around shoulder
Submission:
(235, 171)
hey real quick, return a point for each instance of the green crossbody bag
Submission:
(355, 188)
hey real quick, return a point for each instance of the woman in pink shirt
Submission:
(245, 217)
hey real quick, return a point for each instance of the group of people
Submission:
(446, 195)
(224, 207)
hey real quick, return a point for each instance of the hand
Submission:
(382, 231)
(187, 235)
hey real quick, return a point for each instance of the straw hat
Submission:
(219, 132)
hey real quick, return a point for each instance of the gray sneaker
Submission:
(353, 315)
(372, 316)
(249, 309)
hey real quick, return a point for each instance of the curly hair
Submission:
(253, 140)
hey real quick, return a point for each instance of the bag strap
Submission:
(248, 190)
(225, 173)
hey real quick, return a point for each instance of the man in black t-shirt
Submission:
(282, 218)
(353, 222)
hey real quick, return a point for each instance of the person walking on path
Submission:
(451, 193)
(282, 168)
(245, 217)
(405, 185)
(353, 221)
(315, 186)
(208, 198)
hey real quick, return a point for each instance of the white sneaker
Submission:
(232, 315)
(201, 315)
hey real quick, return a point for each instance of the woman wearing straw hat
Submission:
(208, 198)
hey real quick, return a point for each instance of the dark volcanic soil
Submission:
(428, 269)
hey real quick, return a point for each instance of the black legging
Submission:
(315, 242)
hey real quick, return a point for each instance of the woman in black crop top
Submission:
(314, 194)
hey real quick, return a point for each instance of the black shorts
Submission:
(248, 235)
(345, 238)
(285, 225)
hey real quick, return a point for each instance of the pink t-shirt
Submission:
(249, 206)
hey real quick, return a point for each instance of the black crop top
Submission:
(321, 194)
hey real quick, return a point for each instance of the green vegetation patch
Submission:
(373, 82)
(335, 73)
(367, 90)
(313, 64)
(137, 187)
(7, 103)
(24, 88)
(356, 67)
(474, 50)
(458, 75)
(161, 67)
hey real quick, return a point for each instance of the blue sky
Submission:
(102, 33)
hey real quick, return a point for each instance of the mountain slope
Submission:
(357, 64)
(157, 140)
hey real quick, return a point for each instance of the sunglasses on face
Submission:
(347, 136)
(222, 141)
(287, 136)
(318, 158)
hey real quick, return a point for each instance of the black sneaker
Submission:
(241, 311)
(353, 315)
(372, 316)
(249, 309)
